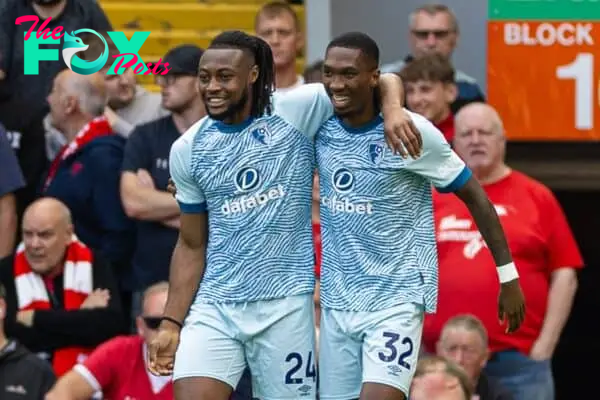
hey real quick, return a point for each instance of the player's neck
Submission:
(360, 119)
(286, 76)
(491, 175)
(241, 116)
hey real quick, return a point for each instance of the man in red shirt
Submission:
(118, 367)
(541, 243)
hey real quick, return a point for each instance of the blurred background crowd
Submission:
(87, 226)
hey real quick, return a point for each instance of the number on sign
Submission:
(296, 359)
(582, 70)
(391, 346)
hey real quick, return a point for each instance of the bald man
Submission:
(544, 250)
(61, 297)
(85, 173)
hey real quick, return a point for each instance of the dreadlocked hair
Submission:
(263, 58)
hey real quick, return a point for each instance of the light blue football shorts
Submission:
(275, 338)
(359, 347)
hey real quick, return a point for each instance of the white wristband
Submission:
(507, 272)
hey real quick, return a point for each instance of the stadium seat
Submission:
(174, 22)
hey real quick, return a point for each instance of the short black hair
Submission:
(360, 41)
(263, 57)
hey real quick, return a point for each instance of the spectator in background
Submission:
(117, 368)
(430, 91)
(129, 104)
(33, 89)
(145, 171)
(85, 173)
(437, 378)
(313, 73)
(11, 180)
(61, 298)
(26, 137)
(277, 24)
(23, 376)
(544, 251)
(434, 29)
(464, 340)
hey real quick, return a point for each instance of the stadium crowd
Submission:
(88, 227)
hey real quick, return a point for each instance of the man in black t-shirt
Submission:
(11, 180)
(27, 138)
(145, 171)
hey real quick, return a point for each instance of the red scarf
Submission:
(96, 128)
(77, 285)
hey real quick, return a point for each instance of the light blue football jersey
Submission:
(377, 226)
(255, 182)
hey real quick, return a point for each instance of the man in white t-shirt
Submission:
(277, 24)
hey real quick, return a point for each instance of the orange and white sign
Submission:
(543, 77)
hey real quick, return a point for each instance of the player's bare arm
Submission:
(511, 305)
(401, 133)
(187, 268)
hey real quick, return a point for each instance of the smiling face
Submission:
(350, 79)
(225, 78)
(431, 99)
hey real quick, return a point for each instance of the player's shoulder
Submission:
(426, 127)
(431, 136)
(284, 102)
(185, 141)
(330, 126)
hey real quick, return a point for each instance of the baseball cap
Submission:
(184, 59)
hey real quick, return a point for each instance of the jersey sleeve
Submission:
(189, 195)
(306, 107)
(438, 162)
(102, 366)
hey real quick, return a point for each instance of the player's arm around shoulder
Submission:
(401, 134)
(306, 107)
